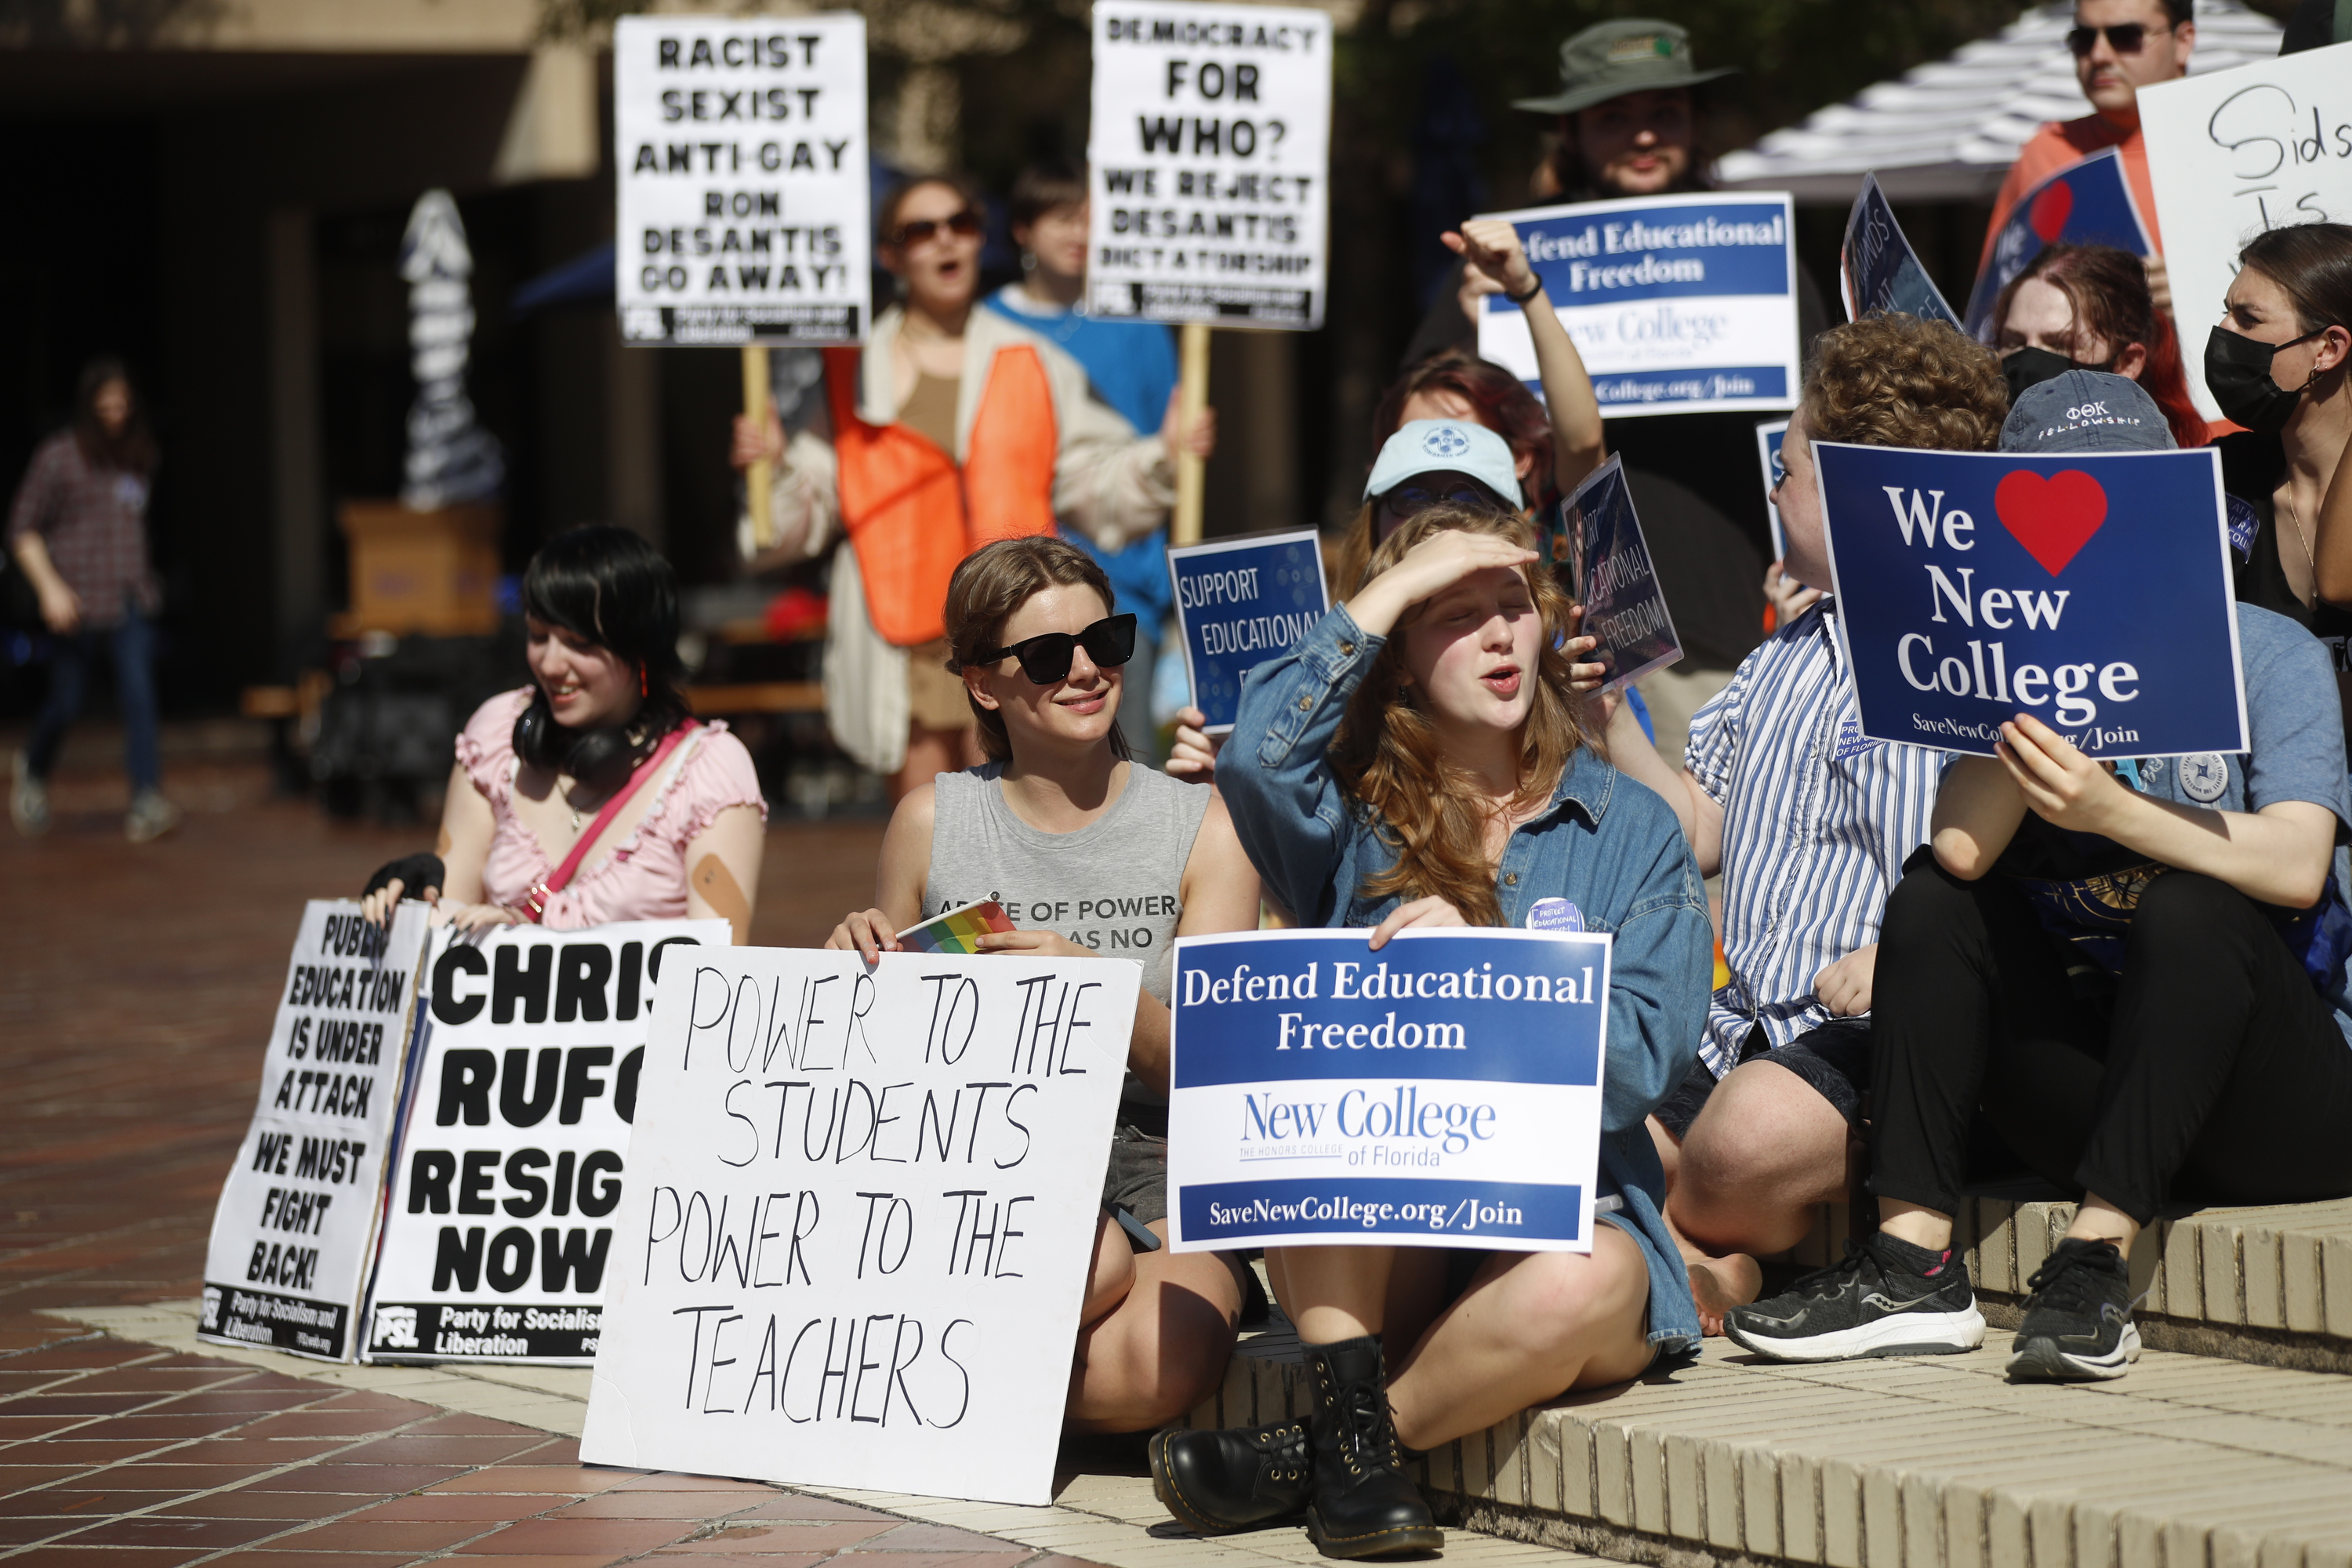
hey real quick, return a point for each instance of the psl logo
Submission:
(212, 1308)
(395, 1327)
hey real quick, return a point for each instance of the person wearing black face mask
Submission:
(2088, 307)
(2277, 364)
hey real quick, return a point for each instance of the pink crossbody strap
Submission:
(534, 905)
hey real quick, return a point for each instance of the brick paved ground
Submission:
(134, 1004)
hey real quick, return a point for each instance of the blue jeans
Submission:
(131, 642)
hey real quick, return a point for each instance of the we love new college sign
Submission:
(2091, 591)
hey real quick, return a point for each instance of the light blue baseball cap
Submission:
(1450, 446)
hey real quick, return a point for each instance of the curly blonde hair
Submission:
(1893, 380)
(1389, 756)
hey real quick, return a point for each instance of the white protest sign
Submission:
(860, 1218)
(498, 1236)
(745, 200)
(1210, 154)
(296, 1223)
(2236, 152)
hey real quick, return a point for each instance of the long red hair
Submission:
(2108, 289)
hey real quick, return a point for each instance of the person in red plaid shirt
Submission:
(79, 532)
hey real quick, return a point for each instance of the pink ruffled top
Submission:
(642, 877)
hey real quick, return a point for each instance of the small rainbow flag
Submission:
(956, 930)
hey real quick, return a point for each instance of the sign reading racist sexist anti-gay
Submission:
(2092, 591)
(1209, 153)
(739, 147)
(294, 1229)
(1240, 602)
(860, 1218)
(1445, 1089)
(1677, 304)
(497, 1234)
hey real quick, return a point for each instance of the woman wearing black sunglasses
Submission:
(2119, 47)
(953, 427)
(1090, 853)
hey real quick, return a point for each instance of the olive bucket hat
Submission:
(1609, 60)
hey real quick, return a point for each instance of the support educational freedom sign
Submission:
(1240, 602)
(1677, 304)
(498, 1240)
(1616, 581)
(296, 1223)
(2236, 152)
(2089, 203)
(1446, 1090)
(860, 1218)
(2091, 591)
(744, 200)
(1209, 150)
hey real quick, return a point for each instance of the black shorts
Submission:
(1833, 1058)
(1136, 1177)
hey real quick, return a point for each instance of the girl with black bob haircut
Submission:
(590, 795)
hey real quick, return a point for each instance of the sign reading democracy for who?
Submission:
(1616, 581)
(2090, 590)
(1240, 602)
(1445, 1089)
(1209, 152)
(1677, 304)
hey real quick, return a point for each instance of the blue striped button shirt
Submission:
(1817, 823)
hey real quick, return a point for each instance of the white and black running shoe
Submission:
(1869, 1305)
(2078, 1321)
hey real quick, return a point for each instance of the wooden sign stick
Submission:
(1193, 401)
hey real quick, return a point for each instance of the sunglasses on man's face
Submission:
(914, 231)
(1397, 506)
(1045, 658)
(2124, 38)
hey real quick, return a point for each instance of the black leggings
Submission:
(2221, 1076)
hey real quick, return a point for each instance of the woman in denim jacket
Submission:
(1419, 759)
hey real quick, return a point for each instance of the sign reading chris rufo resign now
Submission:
(1446, 1090)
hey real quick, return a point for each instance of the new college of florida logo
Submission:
(1446, 441)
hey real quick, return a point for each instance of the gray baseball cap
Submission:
(1609, 60)
(2085, 411)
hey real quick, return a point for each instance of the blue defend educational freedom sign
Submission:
(1446, 1090)
(1677, 304)
(2091, 591)
(1877, 268)
(2089, 203)
(1616, 581)
(1240, 602)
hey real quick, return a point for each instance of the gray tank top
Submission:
(1115, 886)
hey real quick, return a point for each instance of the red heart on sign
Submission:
(2052, 518)
(2047, 217)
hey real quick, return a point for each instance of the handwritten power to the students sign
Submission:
(296, 1223)
(1616, 581)
(744, 187)
(497, 1240)
(2091, 591)
(861, 1210)
(1677, 304)
(1445, 1089)
(1240, 602)
(1210, 146)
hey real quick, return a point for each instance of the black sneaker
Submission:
(1869, 1305)
(2078, 1321)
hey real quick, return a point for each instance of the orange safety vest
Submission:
(912, 516)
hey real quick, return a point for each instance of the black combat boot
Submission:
(1238, 1478)
(1363, 1505)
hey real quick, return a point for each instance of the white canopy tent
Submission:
(1948, 131)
